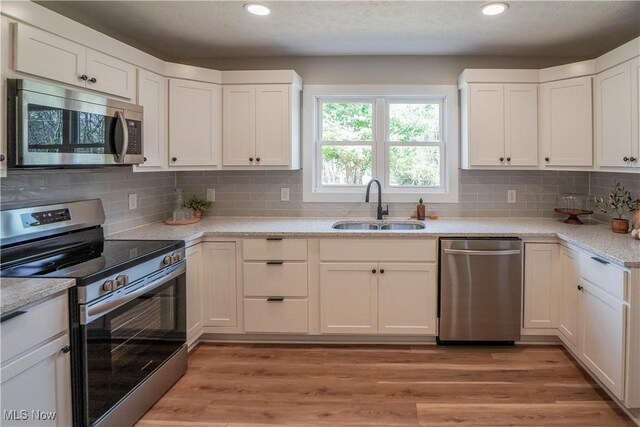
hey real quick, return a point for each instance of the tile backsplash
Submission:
(257, 193)
(482, 194)
(112, 185)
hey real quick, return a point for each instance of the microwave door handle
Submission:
(122, 122)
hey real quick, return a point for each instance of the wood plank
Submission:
(237, 385)
(601, 414)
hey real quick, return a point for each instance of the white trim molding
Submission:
(446, 94)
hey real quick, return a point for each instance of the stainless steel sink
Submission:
(355, 226)
(375, 225)
(403, 226)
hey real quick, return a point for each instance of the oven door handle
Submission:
(102, 308)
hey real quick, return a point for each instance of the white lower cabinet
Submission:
(219, 289)
(35, 368)
(276, 314)
(569, 297)
(407, 298)
(194, 293)
(541, 290)
(586, 299)
(348, 298)
(383, 298)
(602, 346)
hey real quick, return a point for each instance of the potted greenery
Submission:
(197, 205)
(619, 203)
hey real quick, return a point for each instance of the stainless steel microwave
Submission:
(54, 127)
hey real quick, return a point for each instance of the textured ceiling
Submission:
(183, 30)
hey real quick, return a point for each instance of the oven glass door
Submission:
(126, 345)
(60, 131)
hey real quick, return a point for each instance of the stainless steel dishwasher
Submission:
(480, 290)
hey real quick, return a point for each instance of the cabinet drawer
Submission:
(379, 250)
(608, 277)
(288, 315)
(38, 323)
(286, 279)
(274, 249)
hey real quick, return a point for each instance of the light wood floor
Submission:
(234, 385)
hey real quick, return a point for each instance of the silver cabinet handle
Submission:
(125, 137)
(481, 253)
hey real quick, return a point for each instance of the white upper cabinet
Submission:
(152, 95)
(486, 125)
(614, 118)
(273, 131)
(194, 123)
(259, 125)
(565, 113)
(501, 127)
(521, 124)
(52, 57)
(239, 125)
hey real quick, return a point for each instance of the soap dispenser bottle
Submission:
(420, 211)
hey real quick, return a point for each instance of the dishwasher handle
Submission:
(481, 253)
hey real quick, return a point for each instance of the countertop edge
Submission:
(26, 294)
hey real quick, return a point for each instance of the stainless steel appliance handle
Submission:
(481, 253)
(125, 137)
(105, 307)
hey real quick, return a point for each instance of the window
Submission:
(404, 136)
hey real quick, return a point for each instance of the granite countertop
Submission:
(17, 292)
(595, 237)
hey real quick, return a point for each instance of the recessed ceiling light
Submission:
(494, 8)
(257, 9)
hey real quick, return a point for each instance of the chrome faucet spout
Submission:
(380, 211)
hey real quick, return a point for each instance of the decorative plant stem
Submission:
(619, 201)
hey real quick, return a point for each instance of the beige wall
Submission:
(378, 69)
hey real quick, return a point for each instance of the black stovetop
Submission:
(90, 261)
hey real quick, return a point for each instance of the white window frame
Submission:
(382, 95)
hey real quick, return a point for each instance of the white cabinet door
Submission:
(407, 298)
(521, 124)
(194, 293)
(39, 383)
(152, 95)
(273, 130)
(602, 327)
(219, 288)
(43, 54)
(348, 298)
(635, 112)
(570, 297)
(194, 123)
(110, 75)
(613, 115)
(541, 287)
(566, 135)
(486, 124)
(239, 125)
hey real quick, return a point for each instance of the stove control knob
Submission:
(122, 280)
(175, 257)
(109, 286)
(167, 260)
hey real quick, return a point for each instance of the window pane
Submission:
(414, 122)
(414, 166)
(347, 121)
(346, 165)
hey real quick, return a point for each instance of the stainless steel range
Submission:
(128, 309)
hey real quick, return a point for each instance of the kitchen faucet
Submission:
(366, 199)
